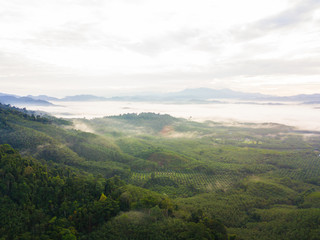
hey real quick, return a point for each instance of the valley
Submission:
(241, 174)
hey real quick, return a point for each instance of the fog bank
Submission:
(302, 116)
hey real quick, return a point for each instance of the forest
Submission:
(153, 176)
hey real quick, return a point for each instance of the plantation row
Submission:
(200, 181)
(302, 169)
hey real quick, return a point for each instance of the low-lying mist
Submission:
(301, 116)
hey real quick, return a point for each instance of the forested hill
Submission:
(54, 141)
(37, 202)
(61, 188)
(152, 176)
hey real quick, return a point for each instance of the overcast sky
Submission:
(113, 47)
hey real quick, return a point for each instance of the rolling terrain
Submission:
(259, 181)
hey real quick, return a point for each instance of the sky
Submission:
(120, 47)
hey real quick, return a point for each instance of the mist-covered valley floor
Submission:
(302, 116)
(134, 176)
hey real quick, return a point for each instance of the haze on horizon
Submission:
(67, 47)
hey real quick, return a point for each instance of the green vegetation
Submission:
(54, 141)
(151, 176)
(41, 203)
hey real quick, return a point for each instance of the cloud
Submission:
(296, 15)
(68, 34)
(271, 67)
(289, 19)
(249, 72)
(167, 43)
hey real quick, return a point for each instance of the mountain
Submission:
(191, 95)
(206, 95)
(312, 102)
(43, 97)
(304, 97)
(10, 99)
(83, 98)
(196, 95)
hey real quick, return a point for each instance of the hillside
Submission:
(37, 202)
(233, 172)
(261, 181)
(53, 140)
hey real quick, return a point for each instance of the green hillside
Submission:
(37, 202)
(235, 172)
(54, 140)
(168, 178)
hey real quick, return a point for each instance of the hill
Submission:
(52, 139)
(211, 95)
(181, 178)
(192, 95)
(83, 98)
(243, 174)
(43, 97)
(38, 202)
(13, 100)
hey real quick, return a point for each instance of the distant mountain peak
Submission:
(83, 97)
(43, 97)
(10, 99)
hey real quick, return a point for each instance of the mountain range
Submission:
(200, 95)
(195, 95)
(13, 100)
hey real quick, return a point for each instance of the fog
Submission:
(301, 116)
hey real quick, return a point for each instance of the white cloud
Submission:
(165, 44)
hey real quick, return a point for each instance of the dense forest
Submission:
(152, 176)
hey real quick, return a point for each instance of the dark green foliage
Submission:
(283, 223)
(139, 225)
(37, 203)
(152, 121)
(315, 181)
(162, 181)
